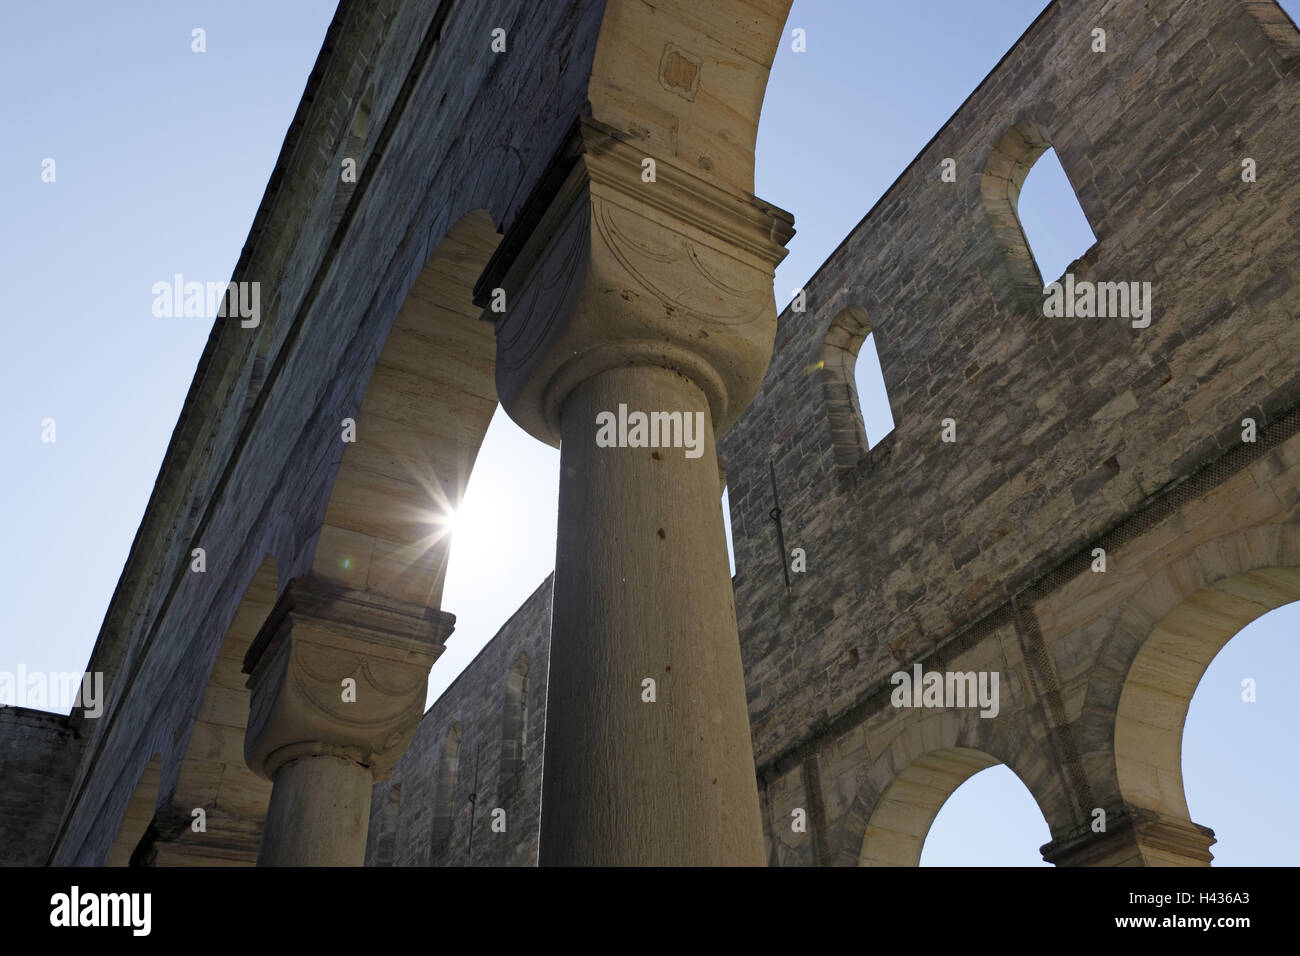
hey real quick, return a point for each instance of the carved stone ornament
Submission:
(318, 636)
(614, 269)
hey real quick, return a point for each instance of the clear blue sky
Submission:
(162, 156)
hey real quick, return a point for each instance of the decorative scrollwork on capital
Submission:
(609, 270)
(338, 672)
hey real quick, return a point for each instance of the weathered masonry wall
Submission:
(1071, 434)
(1067, 429)
(483, 737)
(976, 556)
(1221, 550)
(38, 752)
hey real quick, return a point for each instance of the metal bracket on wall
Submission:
(775, 515)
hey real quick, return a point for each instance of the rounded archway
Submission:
(991, 819)
(1239, 748)
(214, 783)
(904, 817)
(1158, 688)
(406, 457)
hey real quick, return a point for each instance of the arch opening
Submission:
(903, 819)
(1238, 750)
(427, 406)
(726, 528)
(504, 542)
(991, 819)
(1055, 227)
(1163, 677)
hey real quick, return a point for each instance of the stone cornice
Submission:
(597, 160)
(392, 627)
(734, 221)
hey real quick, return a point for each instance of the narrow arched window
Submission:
(1031, 204)
(873, 399)
(386, 838)
(1056, 228)
(444, 801)
(853, 384)
(514, 722)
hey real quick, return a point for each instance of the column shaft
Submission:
(642, 591)
(318, 814)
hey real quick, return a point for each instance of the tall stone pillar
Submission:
(640, 320)
(338, 680)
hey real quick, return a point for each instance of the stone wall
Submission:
(974, 553)
(1066, 429)
(1070, 433)
(1063, 426)
(38, 752)
(424, 815)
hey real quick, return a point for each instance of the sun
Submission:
(446, 522)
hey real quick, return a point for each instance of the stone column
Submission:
(338, 681)
(640, 318)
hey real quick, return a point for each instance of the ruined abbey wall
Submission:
(1066, 428)
(495, 723)
(1071, 433)
(37, 754)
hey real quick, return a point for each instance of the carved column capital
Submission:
(604, 269)
(318, 635)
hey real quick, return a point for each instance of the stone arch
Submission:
(426, 409)
(686, 80)
(213, 775)
(911, 775)
(444, 800)
(1173, 656)
(838, 358)
(897, 829)
(1160, 644)
(514, 720)
(1005, 171)
(138, 814)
